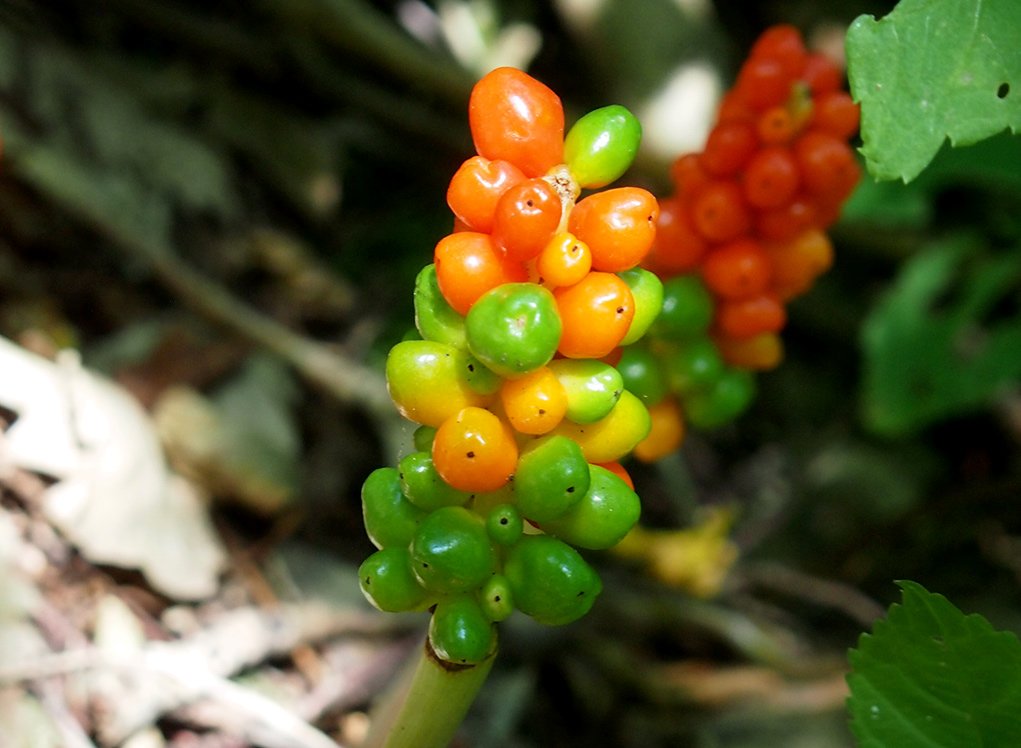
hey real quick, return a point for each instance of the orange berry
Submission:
(535, 403)
(468, 264)
(719, 211)
(797, 263)
(475, 189)
(618, 225)
(737, 270)
(666, 434)
(678, 247)
(595, 313)
(564, 261)
(745, 318)
(526, 216)
(759, 353)
(514, 117)
(619, 470)
(475, 451)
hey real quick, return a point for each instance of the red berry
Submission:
(771, 178)
(728, 148)
(719, 212)
(737, 270)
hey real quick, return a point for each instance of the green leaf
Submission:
(932, 70)
(944, 340)
(928, 675)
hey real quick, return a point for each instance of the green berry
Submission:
(721, 403)
(592, 387)
(480, 378)
(504, 524)
(550, 581)
(687, 309)
(642, 374)
(695, 365)
(423, 438)
(387, 582)
(647, 290)
(600, 146)
(552, 476)
(496, 598)
(434, 317)
(423, 485)
(451, 551)
(390, 519)
(460, 632)
(605, 514)
(514, 328)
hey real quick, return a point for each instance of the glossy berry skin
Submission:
(552, 477)
(595, 313)
(603, 516)
(390, 519)
(534, 403)
(460, 632)
(619, 226)
(451, 551)
(475, 189)
(427, 381)
(600, 146)
(526, 218)
(515, 118)
(475, 451)
(496, 598)
(423, 486)
(564, 261)
(550, 581)
(514, 329)
(504, 524)
(611, 438)
(435, 319)
(468, 264)
(647, 290)
(592, 388)
(386, 580)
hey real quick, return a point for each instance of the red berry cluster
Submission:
(750, 211)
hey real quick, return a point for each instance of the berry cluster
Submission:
(744, 233)
(522, 424)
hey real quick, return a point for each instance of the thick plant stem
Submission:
(428, 703)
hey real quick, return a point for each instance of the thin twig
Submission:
(826, 593)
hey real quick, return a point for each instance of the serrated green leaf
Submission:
(932, 70)
(934, 346)
(928, 675)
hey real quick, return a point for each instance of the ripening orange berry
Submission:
(618, 225)
(595, 313)
(475, 451)
(515, 118)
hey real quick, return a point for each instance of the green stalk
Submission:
(428, 703)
